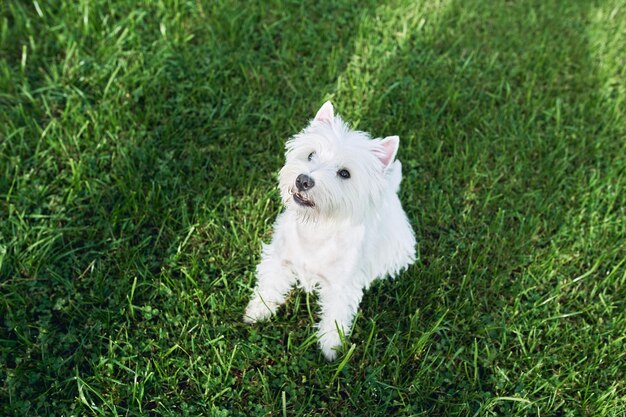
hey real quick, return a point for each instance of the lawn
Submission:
(139, 148)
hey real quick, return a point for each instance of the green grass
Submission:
(139, 146)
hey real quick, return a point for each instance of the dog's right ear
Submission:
(326, 113)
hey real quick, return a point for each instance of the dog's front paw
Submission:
(257, 310)
(330, 344)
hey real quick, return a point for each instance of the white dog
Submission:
(342, 228)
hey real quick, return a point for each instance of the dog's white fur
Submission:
(339, 235)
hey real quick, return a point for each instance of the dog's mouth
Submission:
(302, 200)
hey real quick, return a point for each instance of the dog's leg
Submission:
(339, 306)
(274, 282)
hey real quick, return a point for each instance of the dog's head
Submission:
(334, 172)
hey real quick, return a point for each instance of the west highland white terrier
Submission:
(342, 228)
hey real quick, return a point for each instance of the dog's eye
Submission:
(311, 156)
(344, 173)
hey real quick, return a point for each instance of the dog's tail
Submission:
(394, 176)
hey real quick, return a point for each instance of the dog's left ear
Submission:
(389, 148)
(326, 113)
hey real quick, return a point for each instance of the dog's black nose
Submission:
(304, 182)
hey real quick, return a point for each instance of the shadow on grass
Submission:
(497, 137)
(153, 163)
